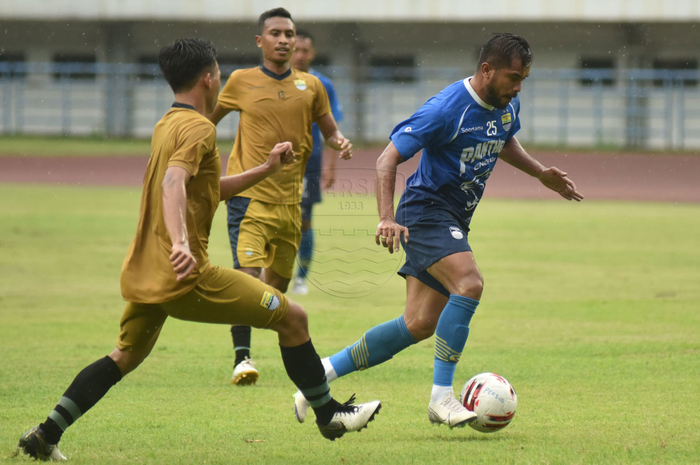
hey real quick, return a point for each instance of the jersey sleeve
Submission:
(322, 105)
(427, 127)
(515, 127)
(229, 96)
(336, 109)
(193, 143)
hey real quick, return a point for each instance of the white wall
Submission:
(362, 10)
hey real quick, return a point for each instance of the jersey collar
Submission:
(182, 105)
(278, 77)
(474, 95)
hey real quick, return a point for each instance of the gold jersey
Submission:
(273, 109)
(186, 139)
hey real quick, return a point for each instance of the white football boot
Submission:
(300, 287)
(449, 411)
(244, 373)
(349, 418)
(301, 407)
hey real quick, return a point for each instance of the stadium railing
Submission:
(637, 108)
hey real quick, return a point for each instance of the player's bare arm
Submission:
(388, 230)
(334, 138)
(218, 114)
(553, 178)
(282, 154)
(175, 214)
(328, 173)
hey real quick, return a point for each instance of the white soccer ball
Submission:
(492, 398)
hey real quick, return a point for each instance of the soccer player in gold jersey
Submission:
(276, 102)
(167, 271)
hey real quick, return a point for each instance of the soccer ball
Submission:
(492, 398)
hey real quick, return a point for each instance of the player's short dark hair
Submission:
(502, 48)
(273, 13)
(184, 61)
(306, 35)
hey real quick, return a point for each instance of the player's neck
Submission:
(277, 68)
(479, 87)
(193, 100)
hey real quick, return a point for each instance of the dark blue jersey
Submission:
(461, 137)
(314, 164)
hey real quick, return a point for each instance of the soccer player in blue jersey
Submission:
(303, 56)
(462, 131)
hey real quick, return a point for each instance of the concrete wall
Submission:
(555, 45)
(358, 10)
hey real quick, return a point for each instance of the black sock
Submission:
(86, 390)
(306, 371)
(241, 342)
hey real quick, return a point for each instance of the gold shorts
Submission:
(223, 296)
(264, 235)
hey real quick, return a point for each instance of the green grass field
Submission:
(590, 310)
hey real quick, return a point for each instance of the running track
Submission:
(637, 177)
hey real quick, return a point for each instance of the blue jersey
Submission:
(461, 137)
(314, 164)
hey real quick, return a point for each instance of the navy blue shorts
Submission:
(429, 240)
(312, 187)
(306, 210)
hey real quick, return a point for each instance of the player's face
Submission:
(503, 84)
(277, 40)
(304, 54)
(212, 94)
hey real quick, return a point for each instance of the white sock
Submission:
(331, 375)
(439, 392)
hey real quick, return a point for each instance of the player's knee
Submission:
(420, 328)
(128, 360)
(295, 323)
(471, 286)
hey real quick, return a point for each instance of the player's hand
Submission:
(342, 145)
(557, 180)
(389, 234)
(182, 260)
(328, 178)
(282, 154)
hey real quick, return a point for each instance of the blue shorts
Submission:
(429, 240)
(311, 193)
(306, 210)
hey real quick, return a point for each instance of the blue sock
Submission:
(306, 250)
(450, 336)
(378, 345)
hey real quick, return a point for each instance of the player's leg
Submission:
(381, 343)
(248, 247)
(461, 278)
(244, 371)
(274, 279)
(305, 249)
(229, 297)
(140, 328)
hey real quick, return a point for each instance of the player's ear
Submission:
(207, 79)
(487, 70)
(258, 41)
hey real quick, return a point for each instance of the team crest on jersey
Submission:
(269, 301)
(301, 85)
(456, 233)
(506, 120)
